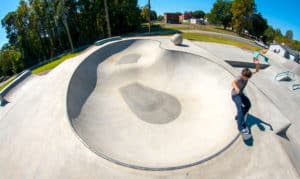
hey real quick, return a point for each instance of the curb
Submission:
(23, 75)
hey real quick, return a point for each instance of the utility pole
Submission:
(149, 17)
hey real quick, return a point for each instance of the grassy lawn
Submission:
(218, 39)
(177, 28)
(209, 28)
(53, 64)
(207, 37)
(7, 82)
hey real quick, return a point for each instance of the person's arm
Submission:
(257, 67)
(235, 87)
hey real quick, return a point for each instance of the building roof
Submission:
(289, 50)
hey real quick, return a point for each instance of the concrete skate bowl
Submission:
(145, 107)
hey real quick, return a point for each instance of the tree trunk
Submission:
(149, 16)
(68, 31)
(107, 19)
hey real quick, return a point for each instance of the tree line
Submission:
(243, 18)
(40, 29)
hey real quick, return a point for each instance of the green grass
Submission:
(43, 68)
(208, 37)
(209, 28)
(218, 39)
(7, 82)
(177, 28)
(53, 64)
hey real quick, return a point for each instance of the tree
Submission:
(107, 18)
(29, 41)
(289, 34)
(278, 33)
(149, 16)
(160, 18)
(91, 21)
(63, 12)
(153, 15)
(269, 34)
(40, 29)
(9, 23)
(126, 15)
(242, 11)
(296, 46)
(198, 14)
(258, 25)
(220, 13)
(37, 30)
(145, 14)
(10, 60)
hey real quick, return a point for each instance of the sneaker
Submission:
(246, 134)
(245, 131)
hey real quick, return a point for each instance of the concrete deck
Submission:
(144, 108)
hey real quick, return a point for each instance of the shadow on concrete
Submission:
(282, 132)
(150, 105)
(254, 121)
(3, 102)
(239, 64)
(183, 45)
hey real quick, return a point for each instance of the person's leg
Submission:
(246, 104)
(240, 116)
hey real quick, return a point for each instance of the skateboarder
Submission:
(241, 101)
(256, 55)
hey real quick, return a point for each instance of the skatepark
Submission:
(143, 107)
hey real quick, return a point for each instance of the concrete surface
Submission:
(50, 127)
(22, 76)
(187, 93)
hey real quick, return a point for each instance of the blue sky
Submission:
(280, 14)
(5, 7)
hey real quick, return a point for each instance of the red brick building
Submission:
(171, 18)
(185, 16)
